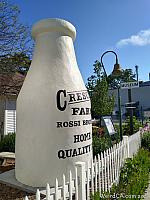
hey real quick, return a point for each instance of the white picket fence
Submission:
(134, 143)
(99, 174)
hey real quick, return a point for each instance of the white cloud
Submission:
(141, 39)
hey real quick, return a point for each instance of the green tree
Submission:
(10, 80)
(97, 85)
(127, 75)
(19, 62)
(15, 40)
(15, 48)
(14, 36)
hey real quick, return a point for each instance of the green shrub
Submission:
(7, 143)
(100, 144)
(134, 177)
(145, 142)
(94, 130)
(126, 126)
(102, 140)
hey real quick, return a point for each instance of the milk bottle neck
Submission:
(51, 44)
(54, 42)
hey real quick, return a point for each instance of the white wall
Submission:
(10, 116)
(141, 94)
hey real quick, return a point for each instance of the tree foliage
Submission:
(15, 49)
(98, 85)
(11, 63)
(15, 41)
(127, 75)
(102, 102)
(14, 36)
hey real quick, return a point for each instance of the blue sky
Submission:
(119, 25)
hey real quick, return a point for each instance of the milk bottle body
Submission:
(53, 109)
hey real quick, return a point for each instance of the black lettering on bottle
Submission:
(75, 153)
(59, 106)
(75, 111)
(59, 124)
(61, 154)
(72, 97)
(79, 96)
(68, 153)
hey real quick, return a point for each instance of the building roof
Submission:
(146, 83)
(10, 84)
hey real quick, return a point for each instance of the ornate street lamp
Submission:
(115, 73)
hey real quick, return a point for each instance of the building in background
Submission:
(10, 85)
(141, 97)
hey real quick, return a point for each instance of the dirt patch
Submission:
(6, 168)
(10, 193)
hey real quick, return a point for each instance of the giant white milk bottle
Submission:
(53, 109)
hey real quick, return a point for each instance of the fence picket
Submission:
(118, 162)
(105, 170)
(47, 192)
(82, 180)
(113, 168)
(64, 188)
(96, 172)
(99, 174)
(116, 156)
(124, 149)
(108, 171)
(88, 182)
(56, 189)
(76, 184)
(126, 143)
(26, 198)
(121, 155)
(92, 177)
(110, 165)
(123, 152)
(102, 160)
(70, 185)
(37, 194)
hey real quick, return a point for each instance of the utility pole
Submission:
(130, 110)
(142, 117)
(137, 72)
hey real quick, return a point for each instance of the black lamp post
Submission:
(115, 73)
